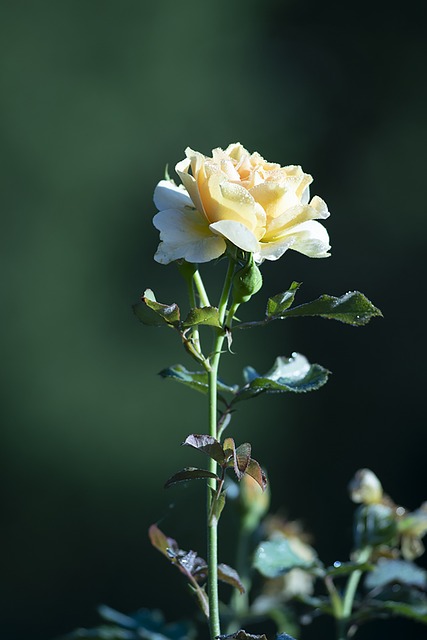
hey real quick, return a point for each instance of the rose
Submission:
(239, 198)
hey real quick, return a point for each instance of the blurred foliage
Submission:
(96, 98)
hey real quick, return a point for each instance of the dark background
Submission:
(97, 96)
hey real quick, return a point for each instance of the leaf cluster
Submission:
(194, 568)
(226, 455)
(392, 585)
(144, 624)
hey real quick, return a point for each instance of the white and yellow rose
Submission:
(237, 197)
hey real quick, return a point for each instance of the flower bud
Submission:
(246, 282)
(374, 525)
(366, 488)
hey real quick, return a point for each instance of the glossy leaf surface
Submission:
(396, 571)
(275, 557)
(190, 473)
(197, 380)
(294, 374)
(202, 315)
(282, 301)
(168, 312)
(230, 576)
(352, 308)
(207, 444)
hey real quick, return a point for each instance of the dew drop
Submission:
(337, 564)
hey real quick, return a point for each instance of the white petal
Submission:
(189, 182)
(167, 195)
(237, 233)
(320, 206)
(185, 234)
(272, 250)
(199, 251)
(305, 195)
(311, 239)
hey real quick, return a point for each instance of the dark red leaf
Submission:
(254, 470)
(230, 576)
(190, 473)
(161, 542)
(207, 444)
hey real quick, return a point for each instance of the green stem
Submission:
(201, 289)
(193, 304)
(239, 603)
(214, 622)
(350, 593)
(231, 313)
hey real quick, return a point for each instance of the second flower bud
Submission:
(246, 282)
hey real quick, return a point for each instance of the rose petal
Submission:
(321, 207)
(189, 182)
(272, 250)
(237, 233)
(185, 234)
(167, 195)
(305, 195)
(225, 200)
(311, 239)
(196, 252)
(284, 224)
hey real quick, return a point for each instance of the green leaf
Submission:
(345, 568)
(149, 624)
(169, 312)
(282, 301)
(141, 625)
(294, 374)
(230, 576)
(399, 571)
(275, 557)
(202, 315)
(242, 635)
(207, 444)
(197, 380)
(374, 524)
(190, 473)
(416, 612)
(321, 603)
(217, 505)
(352, 308)
(147, 316)
(103, 632)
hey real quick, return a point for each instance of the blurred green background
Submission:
(97, 96)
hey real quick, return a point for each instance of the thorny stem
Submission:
(214, 622)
